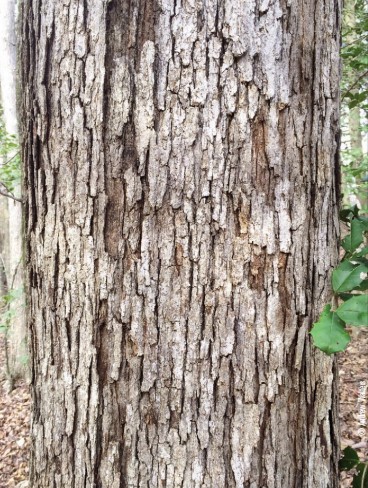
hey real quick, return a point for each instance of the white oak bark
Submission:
(17, 333)
(181, 177)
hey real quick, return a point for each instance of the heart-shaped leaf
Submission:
(360, 479)
(353, 240)
(362, 252)
(346, 214)
(329, 333)
(354, 311)
(347, 276)
(349, 460)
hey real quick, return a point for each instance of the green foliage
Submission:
(9, 312)
(354, 172)
(349, 281)
(354, 311)
(329, 332)
(360, 479)
(10, 167)
(353, 240)
(347, 276)
(349, 461)
(354, 53)
(354, 89)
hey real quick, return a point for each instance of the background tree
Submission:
(354, 119)
(181, 219)
(11, 214)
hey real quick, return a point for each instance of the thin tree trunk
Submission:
(355, 133)
(354, 118)
(181, 219)
(4, 246)
(17, 333)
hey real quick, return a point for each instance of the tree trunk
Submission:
(181, 220)
(17, 333)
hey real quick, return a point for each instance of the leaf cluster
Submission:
(10, 170)
(349, 282)
(349, 461)
(354, 106)
(355, 58)
(10, 167)
(9, 312)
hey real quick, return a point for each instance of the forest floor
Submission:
(15, 414)
(353, 373)
(14, 429)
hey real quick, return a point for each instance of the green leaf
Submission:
(347, 276)
(346, 296)
(353, 240)
(363, 286)
(355, 259)
(360, 479)
(346, 214)
(364, 222)
(349, 460)
(362, 252)
(354, 311)
(329, 333)
(357, 98)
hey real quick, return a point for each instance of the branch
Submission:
(360, 38)
(354, 84)
(15, 273)
(9, 195)
(11, 159)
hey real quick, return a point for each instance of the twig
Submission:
(11, 159)
(15, 272)
(361, 38)
(9, 195)
(359, 445)
(354, 84)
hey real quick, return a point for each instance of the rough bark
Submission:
(17, 333)
(181, 220)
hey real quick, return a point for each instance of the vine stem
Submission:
(335, 302)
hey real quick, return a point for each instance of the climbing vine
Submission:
(351, 461)
(349, 281)
(349, 308)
